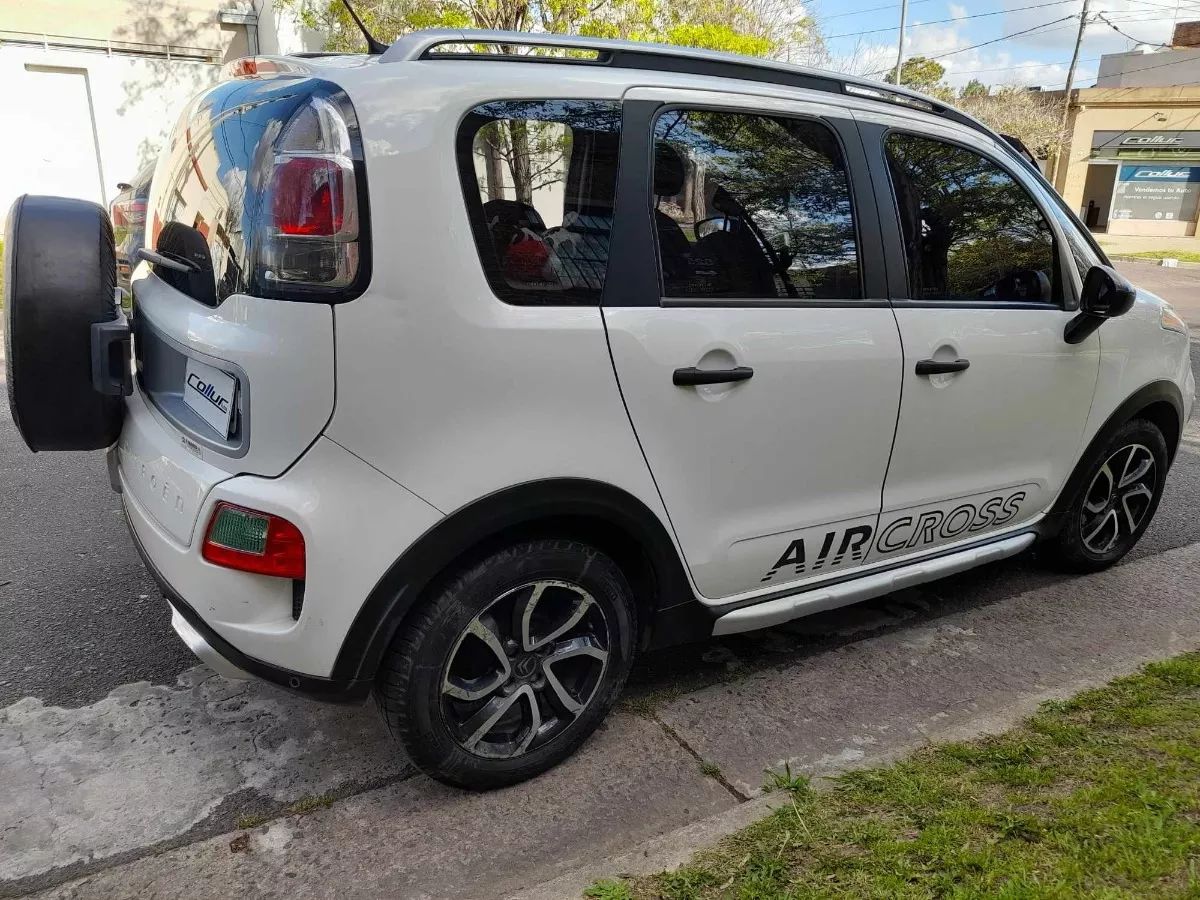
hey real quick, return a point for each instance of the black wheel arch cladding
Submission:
(60, 280)
(576, 508)
(1160, 402)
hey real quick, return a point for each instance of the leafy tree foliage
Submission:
(975, 88)
(773, 28)
(919, 73)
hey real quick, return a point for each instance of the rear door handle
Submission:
(692, 375)
(937, 367)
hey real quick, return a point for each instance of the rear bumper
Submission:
(355, 522)
(225, 659)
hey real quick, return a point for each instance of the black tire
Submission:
(433, 656)
(60, 274)
(1096, 534)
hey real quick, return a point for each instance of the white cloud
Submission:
(957, 12)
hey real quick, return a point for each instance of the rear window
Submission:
(539, 179)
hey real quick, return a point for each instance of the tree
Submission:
(920, 74)
(771, 28)
(1032, 116)
(975, 88)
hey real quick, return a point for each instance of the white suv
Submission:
(461, 378)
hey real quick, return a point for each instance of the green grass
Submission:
(1181, 255)
(308, 804)
(1095, 797)
(608, 890)
(247, 821)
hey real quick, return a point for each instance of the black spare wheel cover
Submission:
(60, 273)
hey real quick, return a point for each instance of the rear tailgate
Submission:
(280, 356)
(234, 373)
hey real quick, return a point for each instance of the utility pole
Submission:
(900, 49)
(1066, 109)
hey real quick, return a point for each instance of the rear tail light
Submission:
(129, 212)
(253, 541)
(310, 240)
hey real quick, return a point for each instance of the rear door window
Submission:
(752, 206)
(539, 178)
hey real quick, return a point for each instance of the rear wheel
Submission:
(1116, 499)
(509, 667)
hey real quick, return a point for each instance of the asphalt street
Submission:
(86, 649)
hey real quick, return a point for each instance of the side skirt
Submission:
(814, 600)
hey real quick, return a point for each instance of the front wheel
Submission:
(1116, 499)
(509, 667)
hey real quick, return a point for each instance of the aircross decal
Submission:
(930, 526)
(854, 544)
(935, 525)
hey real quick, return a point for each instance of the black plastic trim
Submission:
(940, 367)
(690, 375)
(903, 303)
(1155, 392)
(470, 528)
(330, 690)
(632, 278)
(767, 303)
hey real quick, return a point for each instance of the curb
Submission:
(1125, 257)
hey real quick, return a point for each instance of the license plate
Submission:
(210, 393)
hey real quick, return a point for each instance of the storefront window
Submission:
(1156, 192)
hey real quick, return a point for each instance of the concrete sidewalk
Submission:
(640, 778)
(1117, 244)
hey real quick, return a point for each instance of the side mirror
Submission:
(123, 186)
(1106, 295)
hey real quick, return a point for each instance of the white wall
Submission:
(1167, 67)
(135, 102)
(49, 145)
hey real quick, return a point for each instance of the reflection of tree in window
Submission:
(970, 231)
(545, 171)
(763, 204)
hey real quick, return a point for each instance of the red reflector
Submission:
(306, 197)
(253, 541)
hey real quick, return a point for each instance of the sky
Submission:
(861, 35)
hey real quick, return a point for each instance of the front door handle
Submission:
(692, 375)
(937, 367)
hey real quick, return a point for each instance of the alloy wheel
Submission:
(1118, 499)
(524, 669)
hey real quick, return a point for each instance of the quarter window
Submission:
(971, 232)
(752, 206)
(540, 177)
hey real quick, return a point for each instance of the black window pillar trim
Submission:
(632, 278)
(891, 241)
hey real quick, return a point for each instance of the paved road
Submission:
(95, 686)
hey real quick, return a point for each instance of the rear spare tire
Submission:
(60, 275)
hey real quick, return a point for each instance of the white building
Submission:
(93, 87)
(1147, 66)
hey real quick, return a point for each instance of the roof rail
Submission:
(421, 45)
(621, 54)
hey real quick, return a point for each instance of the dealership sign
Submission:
(1159, 192)
(1146, 140)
